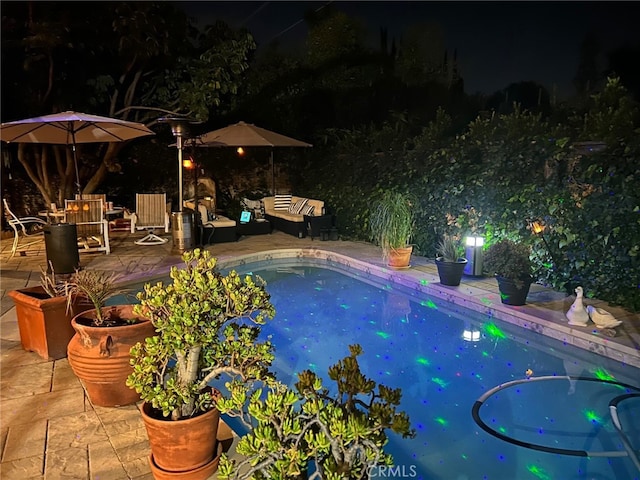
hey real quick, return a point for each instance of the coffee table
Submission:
(254, 227)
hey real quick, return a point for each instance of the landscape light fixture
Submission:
(473, 254)
(240, 151)
(537, 228)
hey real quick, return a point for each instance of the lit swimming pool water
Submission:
(419, 344)
(444, 358)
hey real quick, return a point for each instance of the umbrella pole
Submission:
(75, 162)
(273, 174)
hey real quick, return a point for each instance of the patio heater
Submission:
(181, 222)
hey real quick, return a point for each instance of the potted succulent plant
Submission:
(336, 436)
(450, 261)
(207, 325)
(44, 315)
(392, 224)
(509, 261)
(98, 353)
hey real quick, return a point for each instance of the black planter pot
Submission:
(450, 272)
(514, 292)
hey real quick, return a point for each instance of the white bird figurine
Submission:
(602, 318)
(577, 314)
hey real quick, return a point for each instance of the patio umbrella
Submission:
(71, 128)
(243, 134)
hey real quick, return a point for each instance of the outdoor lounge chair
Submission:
(151, 213)
(91, 223)
(30, 229)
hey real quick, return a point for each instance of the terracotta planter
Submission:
(201, 473)
(399, 257)
(99, 356)
(43, 321)
(451, 272)
(181, 445)
(512, 292)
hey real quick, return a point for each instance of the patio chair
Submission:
(151, 213)
(92, 196)
(30, 229)
(90, 220)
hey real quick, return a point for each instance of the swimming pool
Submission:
(444, 358)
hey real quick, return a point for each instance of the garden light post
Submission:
(473, 254)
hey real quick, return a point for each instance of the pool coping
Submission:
(537, 318)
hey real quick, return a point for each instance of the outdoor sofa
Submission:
(292, 214)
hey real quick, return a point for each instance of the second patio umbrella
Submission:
(71, 128)
(243, 134)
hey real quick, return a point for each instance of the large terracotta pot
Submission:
(99, 356)
(181, 445)
(44, 322)
(399, 257)
(450, 272)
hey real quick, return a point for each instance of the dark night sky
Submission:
(497, 42)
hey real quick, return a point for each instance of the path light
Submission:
(240, 151)
(473, 254)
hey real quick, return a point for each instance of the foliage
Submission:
(508, 259)
(133, 61)
(97, 287)
(207, 325)
(511, 169)
(342, 435)
(53, 285)
(392, 221)
(449, 249)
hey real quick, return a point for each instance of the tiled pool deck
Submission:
(48, 428)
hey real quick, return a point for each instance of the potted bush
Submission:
(392, 223)
(338, 436)
(99, 351)
(510, 263)
(44, 315)
(450, 261)
(207, 324)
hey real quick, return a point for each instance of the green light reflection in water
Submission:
(538, 472)
(494, 331)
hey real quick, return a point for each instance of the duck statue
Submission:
(577, 314)
(602, 318)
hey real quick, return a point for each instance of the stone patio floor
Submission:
(50, 430)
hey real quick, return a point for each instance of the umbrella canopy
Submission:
(71, 128)
(243, 134)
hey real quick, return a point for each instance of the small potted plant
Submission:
(392, 224)
(44, 315)
(450, 261)
(341, 435)
(207, 325)
(98, 353)
(509, 261)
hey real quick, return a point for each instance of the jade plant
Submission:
(207, 325)
(336, 436)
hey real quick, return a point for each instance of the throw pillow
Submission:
(297, 207)
(308, 210)
(282, 202)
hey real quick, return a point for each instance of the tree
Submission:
(134, 61)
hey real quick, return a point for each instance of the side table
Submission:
(317, 223)
(254, 227)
